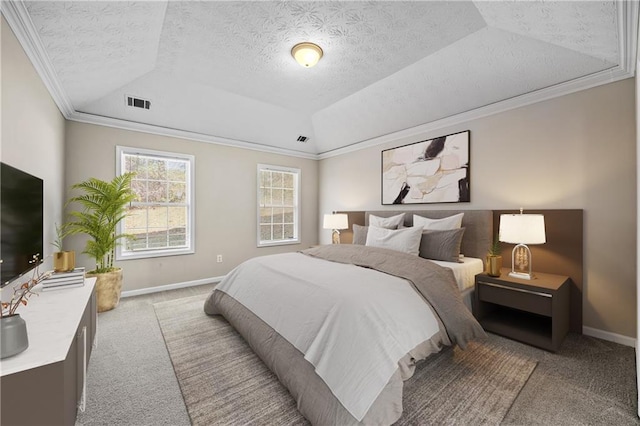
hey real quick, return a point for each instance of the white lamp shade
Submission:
(522, 229)
(335, 221)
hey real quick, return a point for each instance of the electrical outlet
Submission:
(219, 258)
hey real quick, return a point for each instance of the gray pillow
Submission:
(360, 234)
(441, 245)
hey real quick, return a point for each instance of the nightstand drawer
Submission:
(517, 298)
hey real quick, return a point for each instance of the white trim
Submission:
(16, 14)
(279, 243)
(609, 336)
(20, 22)
(82, 117)
(191, 201)
(157, 289)
(628, 13)
(628, 34)
(148, 254)
(582, 83)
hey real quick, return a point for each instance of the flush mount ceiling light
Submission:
(307, 54)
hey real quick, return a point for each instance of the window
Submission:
(278, 208)
(162, 217)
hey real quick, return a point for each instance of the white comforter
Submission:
(352, 324)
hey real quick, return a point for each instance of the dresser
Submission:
(46, 384)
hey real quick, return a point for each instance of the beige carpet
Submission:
(224, 383)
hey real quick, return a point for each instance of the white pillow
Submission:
(444, 224)
(393, 222)
(406, 240)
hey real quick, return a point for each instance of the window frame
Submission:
(296, 208)
(121, 254)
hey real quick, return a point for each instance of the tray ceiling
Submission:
(224, 69)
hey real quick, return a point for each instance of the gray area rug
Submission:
(224, 382)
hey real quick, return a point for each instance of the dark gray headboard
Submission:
(478, 226)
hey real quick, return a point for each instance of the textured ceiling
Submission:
(224, 69)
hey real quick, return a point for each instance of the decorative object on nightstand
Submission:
(494, 258)
(522, 229)
(336, 221)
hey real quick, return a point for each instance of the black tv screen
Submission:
(21, 222)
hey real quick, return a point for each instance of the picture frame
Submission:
(430, 171)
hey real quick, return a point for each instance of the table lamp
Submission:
(522, 229)
(335, 221)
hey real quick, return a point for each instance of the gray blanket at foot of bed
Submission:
(314, 399)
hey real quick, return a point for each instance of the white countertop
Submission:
(52, 319)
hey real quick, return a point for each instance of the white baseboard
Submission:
(611, 337)
(148, 290)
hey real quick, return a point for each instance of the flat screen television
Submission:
(21, 222)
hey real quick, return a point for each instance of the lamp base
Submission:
(335, 237)
(522, 275)
(521, 263)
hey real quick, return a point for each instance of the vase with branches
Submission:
(13, 329)
(103, 206)
(22, 292)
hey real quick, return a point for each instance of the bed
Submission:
(342, 326)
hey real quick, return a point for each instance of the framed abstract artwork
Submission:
(430, 171)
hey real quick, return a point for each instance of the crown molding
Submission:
(117, 123)
(17, 16)
(603, 77)
(15, 12)
(628, 14)
(628, 34)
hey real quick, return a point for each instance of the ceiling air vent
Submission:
(302, 138)
(137, 102)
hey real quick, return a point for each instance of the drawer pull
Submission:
(82, 404)
(537, 293)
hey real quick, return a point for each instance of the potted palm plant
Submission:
(104, 205)
(494, 258)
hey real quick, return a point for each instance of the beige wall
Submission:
(33, 129)
(576, 151)
(225, 201)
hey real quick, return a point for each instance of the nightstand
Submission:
(535, 311)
